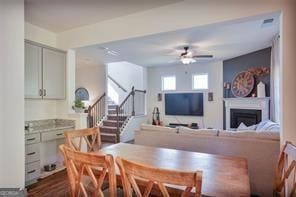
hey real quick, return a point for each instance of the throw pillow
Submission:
(243, 127)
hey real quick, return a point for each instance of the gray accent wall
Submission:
(236, 65)
(232, 67)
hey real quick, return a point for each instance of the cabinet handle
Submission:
(32, 153)
(58, 134)
(32, 171)
(31, 139)
(40, 92)
(44, 92)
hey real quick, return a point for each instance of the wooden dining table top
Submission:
(222, 175)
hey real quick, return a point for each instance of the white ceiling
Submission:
(224, 41)
(62, 15)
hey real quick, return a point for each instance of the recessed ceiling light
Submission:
(102, 48)
(113, 53)
(109, 51)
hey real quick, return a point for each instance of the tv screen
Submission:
(185, 104)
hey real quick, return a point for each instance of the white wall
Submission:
(12, 155)
(127, 75)
(40, 109)
(64, 107)
(93, 78)
(213, 111)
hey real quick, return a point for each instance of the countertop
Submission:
(39, 126)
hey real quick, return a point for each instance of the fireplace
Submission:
(247, 110)
(247, 116)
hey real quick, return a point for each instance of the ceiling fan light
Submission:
(187, 60)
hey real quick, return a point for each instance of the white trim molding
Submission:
(247, 103)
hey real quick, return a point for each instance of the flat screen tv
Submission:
(184, 104)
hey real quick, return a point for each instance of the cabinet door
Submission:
(33, 71)
(54, 74)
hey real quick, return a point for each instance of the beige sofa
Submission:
(260, 149)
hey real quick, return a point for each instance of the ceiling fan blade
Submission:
(202, 56)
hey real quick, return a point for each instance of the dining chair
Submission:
(83, 176)
(284, 183)
(133, 173)
(91, 137)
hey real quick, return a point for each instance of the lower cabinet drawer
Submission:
(52, 135)
(32, 138)
(32, 171)
(32, 153)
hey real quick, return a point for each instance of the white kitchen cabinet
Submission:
(33, 71)
(32, 153)
(52, 135)
(45, 72)
(32, 138)
(54, 74)
(32, 172)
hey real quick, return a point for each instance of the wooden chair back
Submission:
(132, 172)
(284, 183)
(91, 137)
(95, 167)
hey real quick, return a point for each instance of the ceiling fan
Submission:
(187, 58)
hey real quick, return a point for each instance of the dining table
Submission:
(222, 175)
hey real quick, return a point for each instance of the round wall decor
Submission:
(243, 84)
(81, 94)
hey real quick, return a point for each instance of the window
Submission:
(169, 83)
(200, 81)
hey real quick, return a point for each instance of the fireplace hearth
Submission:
(247, 116)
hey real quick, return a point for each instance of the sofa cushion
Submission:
(209, 132)
(149, 127)
(268, 126)
(267, 135)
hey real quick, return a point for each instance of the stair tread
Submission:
(113, 121)
(108, 134)
(116, 115)
(113, 110)
(107, 127)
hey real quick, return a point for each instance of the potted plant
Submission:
(78, 106)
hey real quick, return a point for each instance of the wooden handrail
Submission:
(125, 100)
(130, 94)
(99, 99)
(96, 111)
(143, 91)
(127, 107)
(114, 81)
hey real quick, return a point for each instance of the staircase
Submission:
(112, 123)
(109, 126)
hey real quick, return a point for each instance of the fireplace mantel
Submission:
(247, 103)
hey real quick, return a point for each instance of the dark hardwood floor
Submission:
(55, 185)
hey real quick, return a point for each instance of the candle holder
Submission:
(227, 87)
